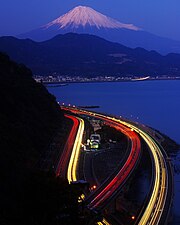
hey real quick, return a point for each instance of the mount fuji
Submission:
(84, 17)
(81, 19)
(86, 20)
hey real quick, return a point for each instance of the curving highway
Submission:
(73, 162)
(67, 165)
(62, 166)
(153, 211)
(110, 188)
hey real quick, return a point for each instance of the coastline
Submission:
(65, 83)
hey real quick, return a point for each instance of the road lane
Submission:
(67, 166)
(73, 163)
(62, 166)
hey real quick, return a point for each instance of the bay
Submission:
(154, 103)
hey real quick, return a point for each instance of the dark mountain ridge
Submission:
(88, 55)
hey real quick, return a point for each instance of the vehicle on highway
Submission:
(95, 140)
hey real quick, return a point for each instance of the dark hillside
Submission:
(29, 118)
(29, 115)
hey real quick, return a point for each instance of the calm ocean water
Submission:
(154, 103)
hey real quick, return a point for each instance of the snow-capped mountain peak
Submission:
(86, 16)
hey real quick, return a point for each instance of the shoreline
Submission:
(65, 83)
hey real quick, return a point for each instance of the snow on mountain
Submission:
(86, 16)
(85, 20)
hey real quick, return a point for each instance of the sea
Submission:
(154, 103)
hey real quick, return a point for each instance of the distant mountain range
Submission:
(84, 19)
(82, 54)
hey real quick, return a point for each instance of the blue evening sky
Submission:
(160, 17)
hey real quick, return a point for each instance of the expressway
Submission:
(153, 210)
(110, 188)
(67, 164)
(113, 186)
(73, 162)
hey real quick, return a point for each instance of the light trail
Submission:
(119, 179)
(124, 172)
(68, 162)
(155, 206)
(103, 222)
(62, 166)
(154, 209)
(72, 167)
